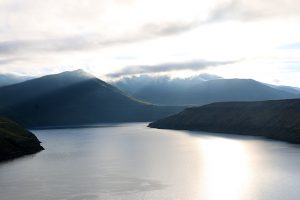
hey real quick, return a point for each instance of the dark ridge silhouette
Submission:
(278, 119)
(74, 98)
(198, 91)
(15, 141)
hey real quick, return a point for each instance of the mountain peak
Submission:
(78, 72)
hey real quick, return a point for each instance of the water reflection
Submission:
(226, 168)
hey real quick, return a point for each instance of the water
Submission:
(131, 161)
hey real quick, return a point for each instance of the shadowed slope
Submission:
(273, 119)
(15, 141)
(13, 94)
(73, 98)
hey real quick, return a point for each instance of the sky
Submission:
(180, 38)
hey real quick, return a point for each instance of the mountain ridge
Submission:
(205, 92)
(72, 98)
(275, 119)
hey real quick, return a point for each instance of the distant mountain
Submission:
(294, 90)
(9, 79)
(73, 98)
(15, 141)
(137, 84)
(197, 91)
(272, 119)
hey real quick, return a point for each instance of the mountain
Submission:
(277, 119)
(15, 141)
(74, 98)
(289, 89)
(197, 91)
(136, 84)
(35, 88)
(9, 79)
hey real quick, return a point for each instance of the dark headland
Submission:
(15, 141)
(277, 119)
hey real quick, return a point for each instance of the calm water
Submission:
(131, 161)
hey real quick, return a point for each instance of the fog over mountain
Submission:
(202, 89)
(134, 84)
(290, 89)
(8, 79)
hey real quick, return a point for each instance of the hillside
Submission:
(272, 119)
(74, 98)
(198, 91)
(15, 141)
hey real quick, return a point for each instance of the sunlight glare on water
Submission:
(133, 162)
(226, 169)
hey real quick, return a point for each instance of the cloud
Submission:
(12, 47)
(169, 28)
(167, 67)
(151, 31)
(84, 32)
(291, 46)
(245, 10)
(94, 41)
(6, 61)
(39, 37)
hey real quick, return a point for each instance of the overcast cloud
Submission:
(167, 67)
(89, 41)
(49, 36)
(245, 10)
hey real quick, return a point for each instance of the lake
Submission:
(132, 162)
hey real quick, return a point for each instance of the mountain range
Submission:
(201, 90)
(135, 84)
(74, 98)
(77, 97)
